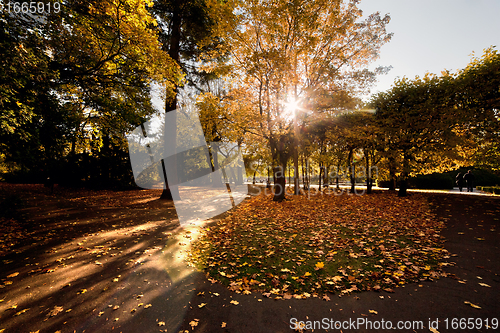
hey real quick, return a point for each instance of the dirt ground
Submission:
(85, 261)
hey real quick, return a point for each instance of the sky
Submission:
(433, 35)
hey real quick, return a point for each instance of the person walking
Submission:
(460, 181)
(469, 179)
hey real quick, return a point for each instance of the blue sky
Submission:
(433, 35)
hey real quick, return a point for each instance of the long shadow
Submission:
(94, 267)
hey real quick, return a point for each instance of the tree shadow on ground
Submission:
(95, 262)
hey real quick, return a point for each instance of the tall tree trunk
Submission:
(326, 179)
(352, 171)
(290, 176)
(392, 174)
(368, 173)
(268, 178)
(303, 174)
(308, 175)
(337, 175)
(403, 184)
(320, 175)
(279, 182)
(170, 105)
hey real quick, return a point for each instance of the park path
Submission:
(121, 269)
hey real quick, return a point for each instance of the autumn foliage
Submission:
(325, 243)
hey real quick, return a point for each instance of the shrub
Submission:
(436, 181)
(490, 189)
(482, 177)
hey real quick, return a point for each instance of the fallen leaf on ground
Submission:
(473, 305)
(55, 311)
(193, 323)
(234, 302)
(21, 312)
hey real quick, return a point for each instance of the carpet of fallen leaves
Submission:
(325, 243)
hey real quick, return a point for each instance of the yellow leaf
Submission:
(13, 275)
(161, 323)
(320, 265)
(473, 305)
(307, 274)
(21, 312)
(484, 285)
(234, 302)
(433, 330)
(202, 305)
(222, 326)
(373, 311)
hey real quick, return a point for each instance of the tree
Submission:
(417, 118)
(186, 32)
(85, 76)
(478, 96)
(290, 50)
(360, 135)
(33, 126)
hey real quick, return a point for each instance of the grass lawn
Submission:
(306, 247)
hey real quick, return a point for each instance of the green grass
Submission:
(351, 243)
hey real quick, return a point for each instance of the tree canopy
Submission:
(284, 80)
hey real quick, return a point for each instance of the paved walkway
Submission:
(455, 190)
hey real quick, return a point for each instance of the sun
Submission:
(290, 109)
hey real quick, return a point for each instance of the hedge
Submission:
(490, 189)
